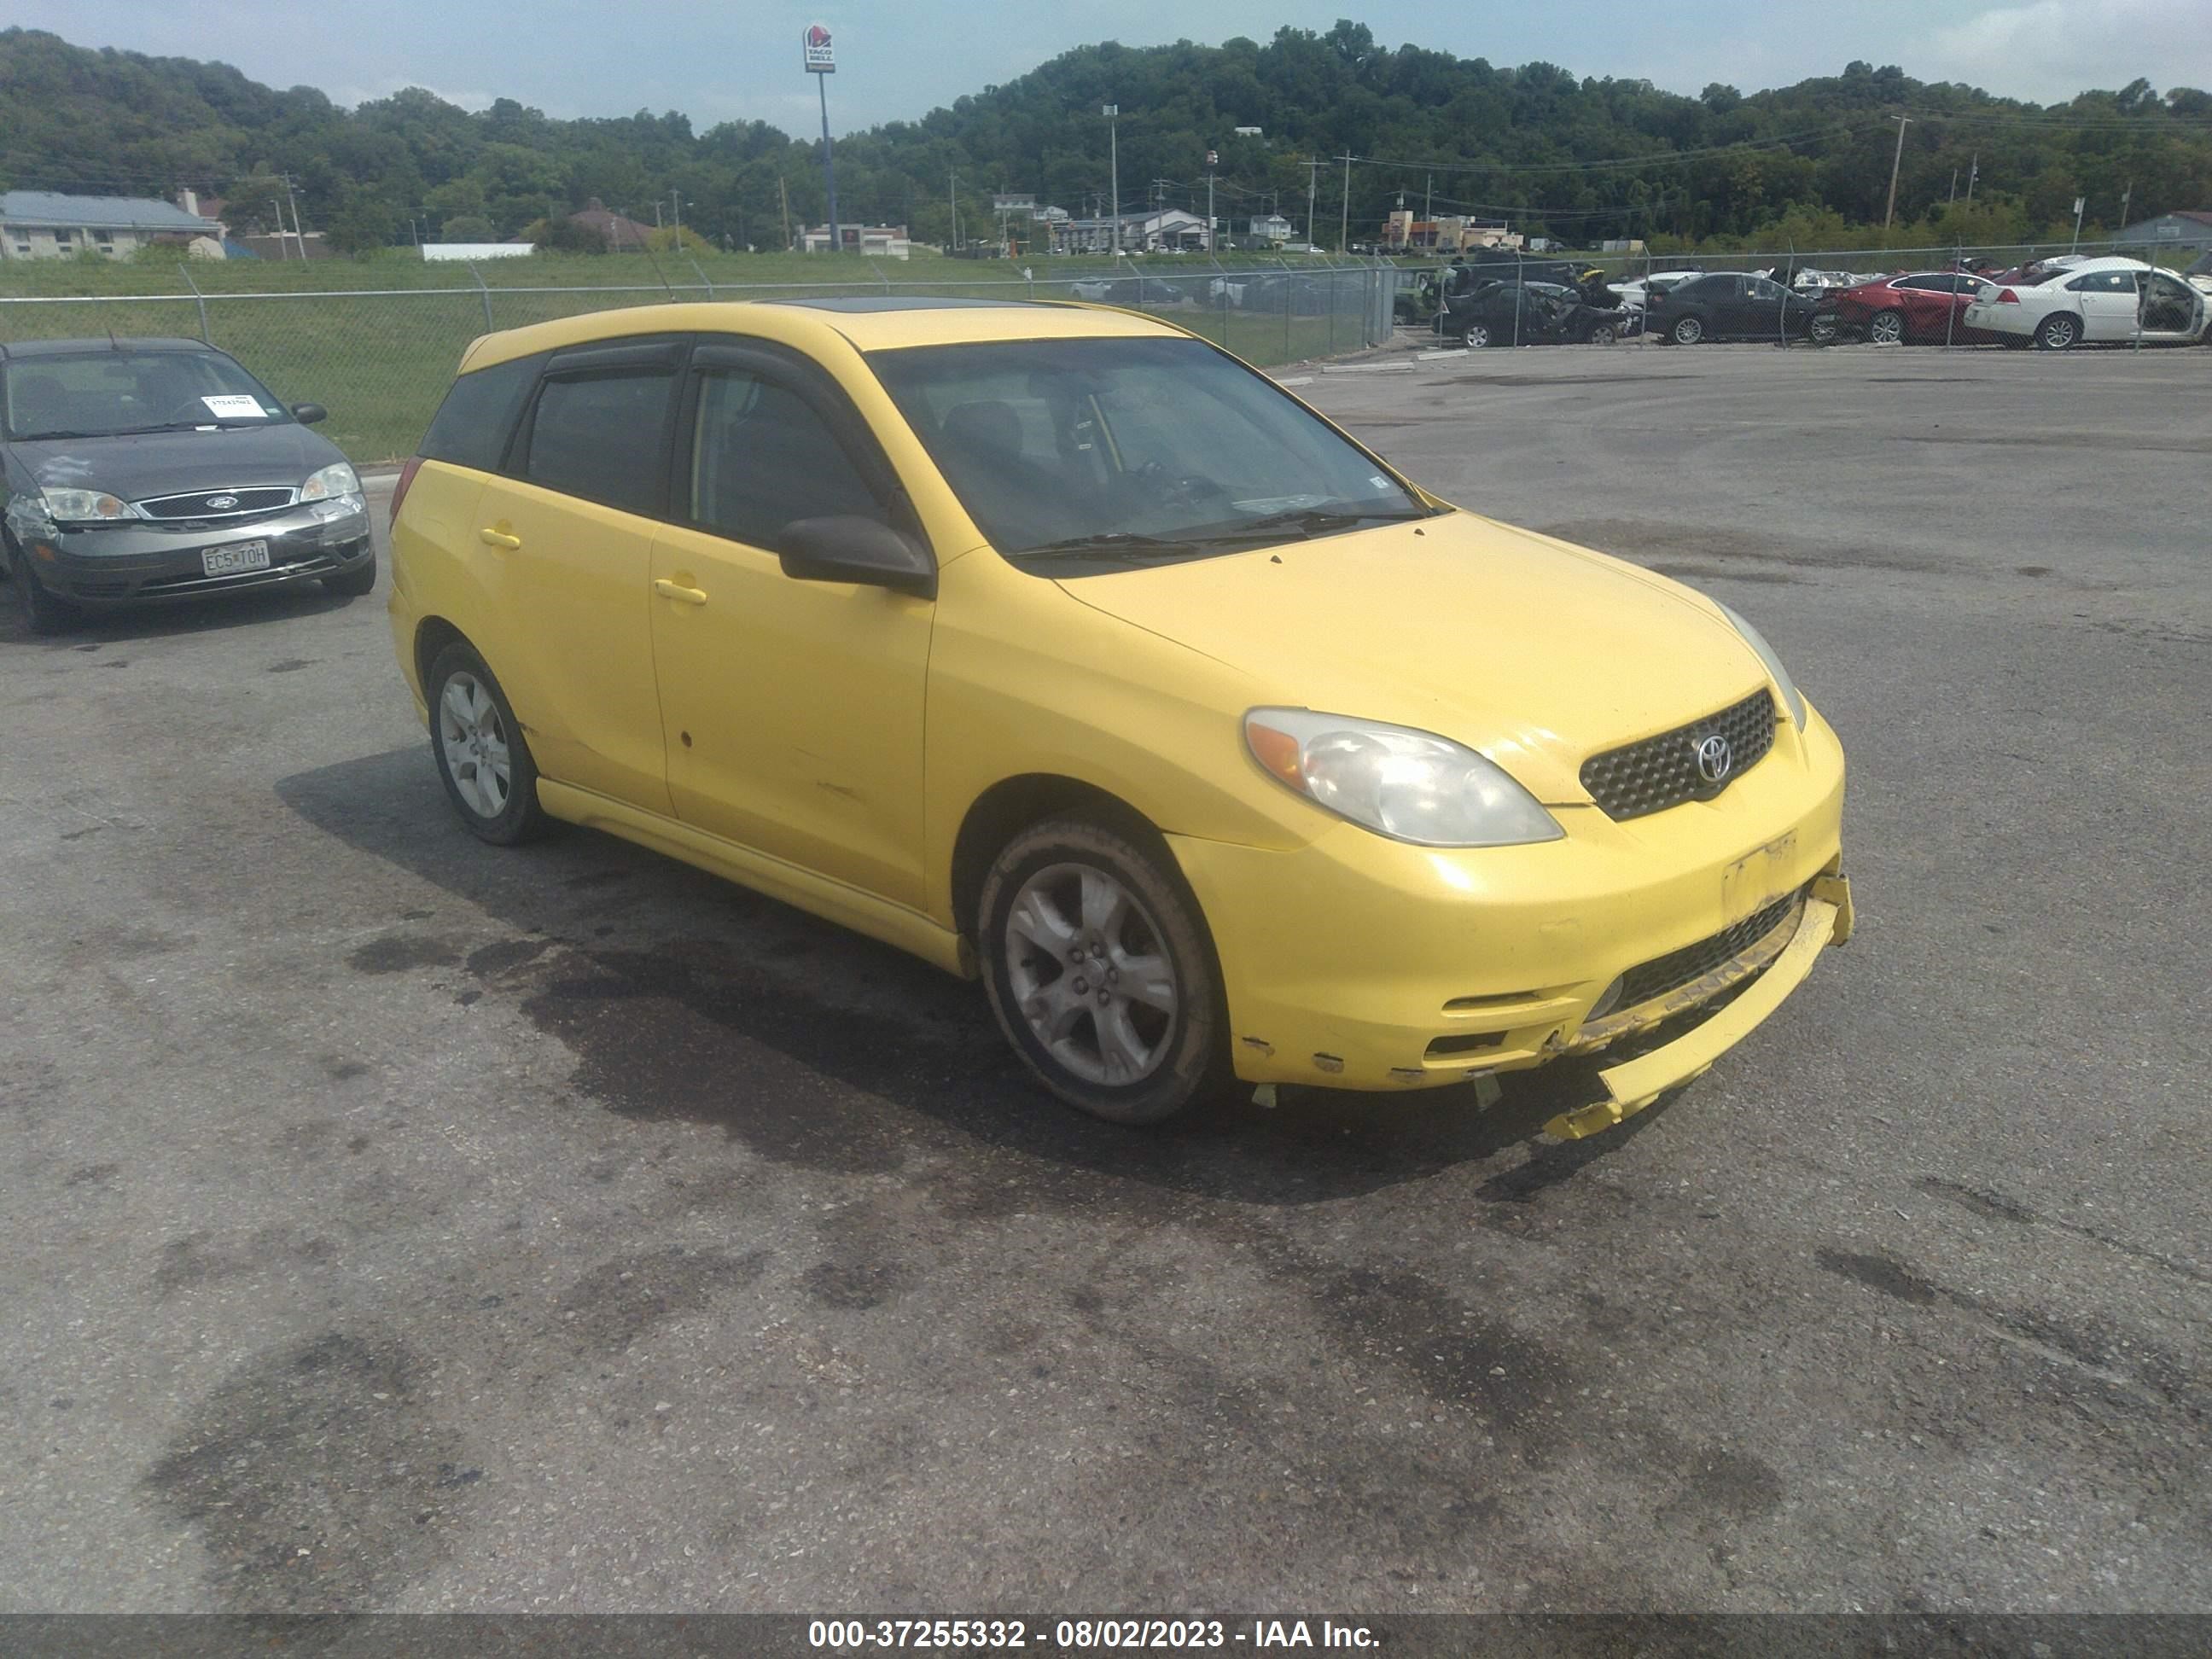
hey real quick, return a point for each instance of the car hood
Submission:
(1533, 652)
(166, 463)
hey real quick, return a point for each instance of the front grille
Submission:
(1661, 772)
(1678, 968)
(195, 505)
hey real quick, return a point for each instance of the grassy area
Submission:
(376, 341)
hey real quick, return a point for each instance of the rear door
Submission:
(565, 542)
(792, 710)
(2109, 304)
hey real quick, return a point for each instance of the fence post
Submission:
(201, 299)
(703, 276)
(490, 327)
(879, 269)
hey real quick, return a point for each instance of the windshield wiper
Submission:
(1312, 520)
(1130, 543)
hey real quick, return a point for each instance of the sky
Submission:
(897, 59)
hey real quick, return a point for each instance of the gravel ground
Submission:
(398, 1223)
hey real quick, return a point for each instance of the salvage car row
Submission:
(2053, 304)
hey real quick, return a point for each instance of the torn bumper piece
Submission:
(1635, 1084)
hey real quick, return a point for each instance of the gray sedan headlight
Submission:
(86, 507)
(1792, 696)
(333, 493)
(1410, 786)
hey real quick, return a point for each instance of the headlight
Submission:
(332, 482)
(1410, 786)
(1791, 695)
(86, 507)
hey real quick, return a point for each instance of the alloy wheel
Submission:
(475, 743)
(1091, 974)
(1887, 328)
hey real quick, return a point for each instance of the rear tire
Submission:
(483, 757)
(1603, 335)
(1477, 336)
(1101, 973)
(2058, 332)
(1688, 331)
(1886, 328)
(356, 583)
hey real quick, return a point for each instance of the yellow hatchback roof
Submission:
(868, 323)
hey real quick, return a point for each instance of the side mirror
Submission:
(850, 549)
(308, 414)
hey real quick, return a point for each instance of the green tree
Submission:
(467, 227)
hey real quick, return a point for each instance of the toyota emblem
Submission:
(1714, 759)
(221, 503)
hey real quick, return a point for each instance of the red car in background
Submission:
(1919, 307)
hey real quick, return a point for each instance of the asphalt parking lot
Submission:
(395, 1222)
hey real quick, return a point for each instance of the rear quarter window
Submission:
(471, 427)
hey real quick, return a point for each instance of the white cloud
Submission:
(2049, 50)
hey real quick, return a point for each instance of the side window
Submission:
(597, 436)
(763, 459)
(472, 426)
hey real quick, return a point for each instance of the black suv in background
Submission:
(149, 470)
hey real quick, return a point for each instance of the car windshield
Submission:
(108, 392)
(1109, 451)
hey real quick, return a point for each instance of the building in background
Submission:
(1163, 230)
(39, 224)
(2183, 229)
(457, 252)
(1407, 231)
(879, 241)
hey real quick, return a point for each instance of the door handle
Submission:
(669, 590)
(491, 537)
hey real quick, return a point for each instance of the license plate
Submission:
(239, 556)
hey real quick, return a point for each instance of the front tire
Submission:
(1477, 336)
(1101, 974)
(1603, 335)
(482, 758)
(356, 583)
(1886, 328)
(2058, 332)
(42, 612)
(1688, 331)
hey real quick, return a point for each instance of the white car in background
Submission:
(2098, 302)
(1633, 295)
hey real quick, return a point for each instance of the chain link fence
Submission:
(380, 360)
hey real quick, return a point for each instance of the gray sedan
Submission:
(139, 471)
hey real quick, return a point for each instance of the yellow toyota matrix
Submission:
(1056, 646)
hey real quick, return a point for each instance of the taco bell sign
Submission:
(820, 57)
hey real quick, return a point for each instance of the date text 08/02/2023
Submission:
(1086, 1635)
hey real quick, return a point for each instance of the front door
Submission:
(2171, 309)
(792, 710)
(564, 541)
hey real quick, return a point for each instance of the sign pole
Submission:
(821, 62)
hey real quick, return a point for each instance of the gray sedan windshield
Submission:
(1118, 451)
(100, 394)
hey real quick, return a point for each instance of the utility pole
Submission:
(952, 201)
(2079, 202)
(1887, 213)
(1973, 172)
(783, 197)
(1313, 176)
(1344, 223)
(1113, 114)
(1429, 205)
(2126, 197)
(1954, 184)
(1209, 202)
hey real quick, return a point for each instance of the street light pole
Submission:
(1113, 114)
(1344, 227)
